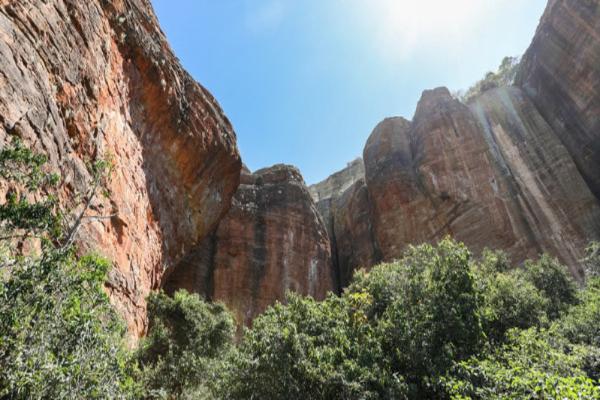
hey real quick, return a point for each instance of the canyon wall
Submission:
(271, 241)
(88, 80)
(492, 174)
(517, 168)
(561, 74)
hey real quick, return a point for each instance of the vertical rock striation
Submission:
(491, 174)
(83, 80)
(271, 241)
(561, 74)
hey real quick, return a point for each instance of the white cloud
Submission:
(265, 15)
(397, 27)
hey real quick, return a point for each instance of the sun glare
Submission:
(404, 24)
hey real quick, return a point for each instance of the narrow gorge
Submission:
(516, 168)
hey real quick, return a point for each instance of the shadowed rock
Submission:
(272, 240)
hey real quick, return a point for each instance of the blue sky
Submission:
(304, 82)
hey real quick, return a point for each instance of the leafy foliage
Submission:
(509, 300)
(435, 324)
(592, 261)
(504, 76)
(531, 365)
(314, 350)
(186, 338)
(59, 336)
(19, 215)
(390, 334)
(552, 279)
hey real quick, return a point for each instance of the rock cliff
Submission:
(491, 174)
(82, 80)
(517, 168)
(272, 240)
(561, 74)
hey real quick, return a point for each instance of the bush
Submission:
(307, 349)
(59, 336)
(429, 312)
(504, 76)
(509, 300)
(186, 339)
(553, 280)
(592, 261)
(581, 324)
(390, 335)
(531, 365)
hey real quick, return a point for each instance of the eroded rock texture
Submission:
(353, 240)
(82, 80)
(272, 240)
(561, 73)
(492, 174)
(517, 169)
(343, 202)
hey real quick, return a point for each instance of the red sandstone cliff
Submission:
(561, 74)
(81, 80)
(271, 241)
(492, 174)
(516, 169)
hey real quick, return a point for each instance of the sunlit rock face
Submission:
(271, 241)
(493, 174)
(517, 169)
(81, 80)
(561, 74)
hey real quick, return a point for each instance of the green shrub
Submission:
(504, 76)
(308, 349)
(581, 323)
(59, 336)
(592, 261)
(186, 339)
(554, 281)
(429, 312)
(390, 335)
(531, 365)
(509, 300)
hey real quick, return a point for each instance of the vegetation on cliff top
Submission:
(438, 323)
(504, 76)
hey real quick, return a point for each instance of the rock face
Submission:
(353, 240)
(343, 202)
(272, 240)
(82, 80)
(516, 169)
(561, 74)
(338, 183)
(492, 174)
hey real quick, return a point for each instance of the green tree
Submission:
(532, 365)
(429, 309)
(592, 261)
(307, 349)
(392, 334)
(504, 76)
(59, 337)
(555, 283)
(186, 341)
(509, 300)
